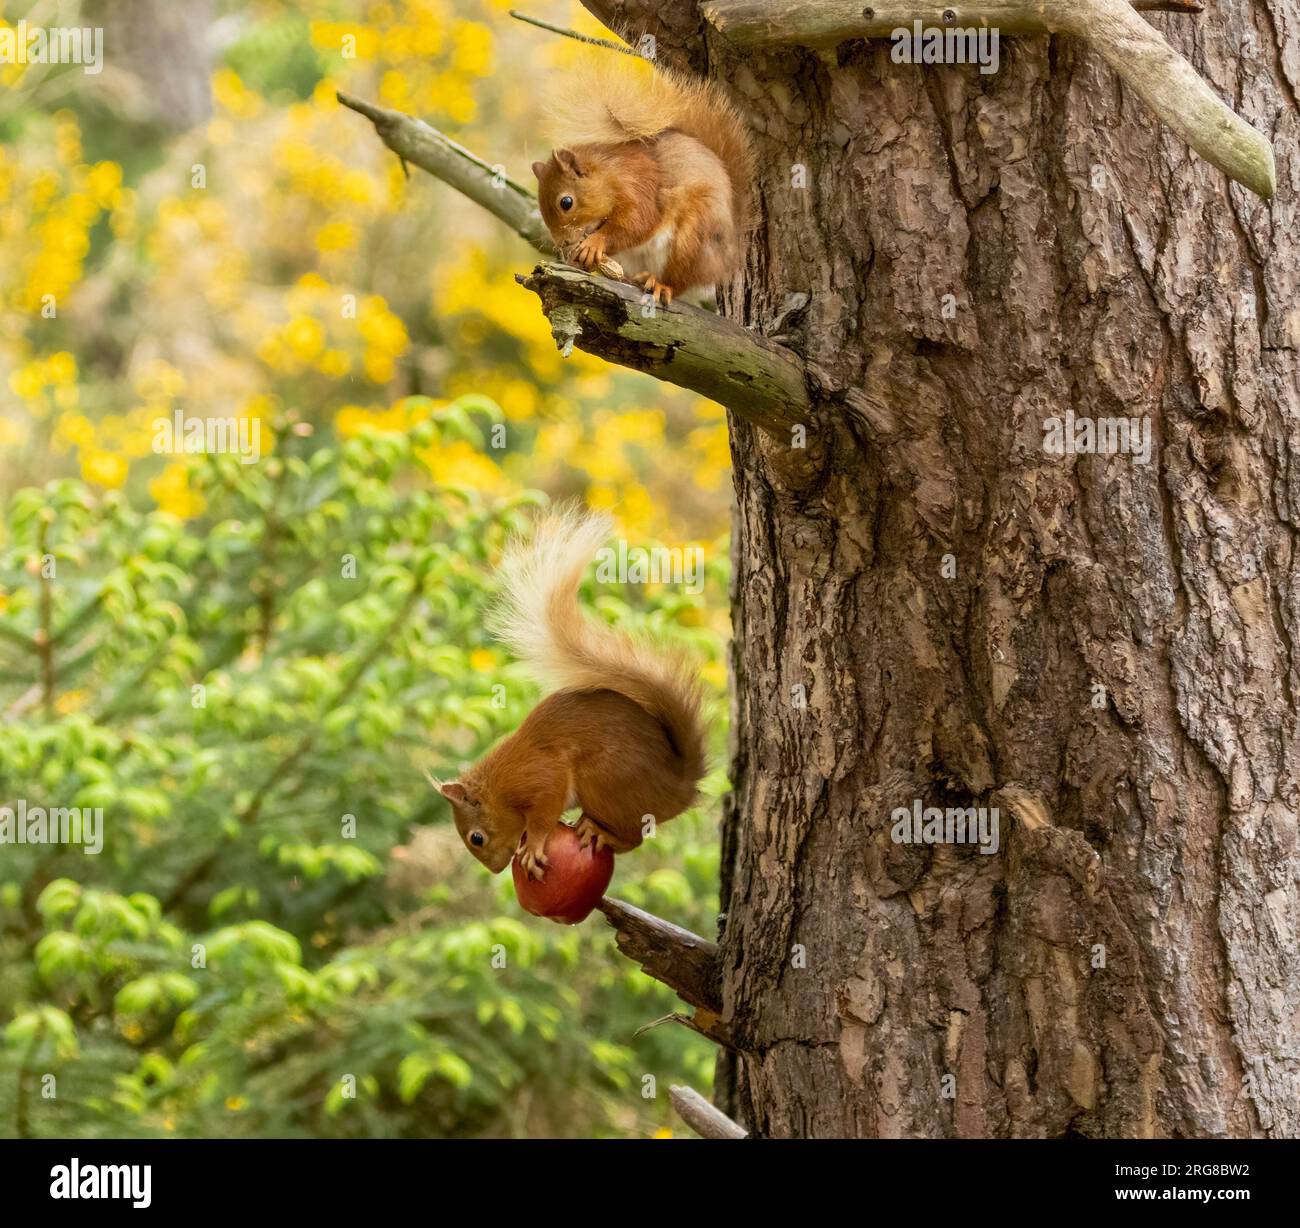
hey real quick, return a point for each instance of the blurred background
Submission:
(249, 667)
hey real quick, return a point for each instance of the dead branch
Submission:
(702, 1117)
(1137, 52)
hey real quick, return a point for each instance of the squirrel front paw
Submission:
(532, 855)
(590, 252)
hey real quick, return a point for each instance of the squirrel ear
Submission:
(454, 792)
(538, 168)
(567, 160)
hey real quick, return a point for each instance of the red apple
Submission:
(574, 881)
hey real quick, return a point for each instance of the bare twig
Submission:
(702, 1022)
(582, 38)
(486, 185)
(26, 701)
(702, 1117)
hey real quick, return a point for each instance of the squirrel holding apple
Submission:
(655, 170)
(621, 737)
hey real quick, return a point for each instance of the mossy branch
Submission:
(757, 379)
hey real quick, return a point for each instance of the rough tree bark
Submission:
(1094, 264)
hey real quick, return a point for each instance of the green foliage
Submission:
(275, 57)
(252, 698)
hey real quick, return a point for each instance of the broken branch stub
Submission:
(685, 962)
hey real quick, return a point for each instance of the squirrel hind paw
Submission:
(657, 290)
(591, 834)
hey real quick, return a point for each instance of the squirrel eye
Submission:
(566, 203)
(476, 839)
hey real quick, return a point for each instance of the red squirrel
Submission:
(622, 738)
(655, 170)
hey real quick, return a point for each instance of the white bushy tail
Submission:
(604, 99)
(538, 618)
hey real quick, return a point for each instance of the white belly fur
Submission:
(650, 257)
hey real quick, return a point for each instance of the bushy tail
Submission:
(605, 98)
(538, 618)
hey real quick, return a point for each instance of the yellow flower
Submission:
(69, 702)
(103, 468)
(262, 406)
(350, 420)
(519, 400)
(232, 95)
(171, 491)
(336, 237)
(325, 95)
(334, 363)
(74, 430)
(638, 510)
(67, 139)
(104, 183)
(381, 328)
(460, 464)
(81, 209)
(235, 1103)
(272, 351)
(305, 338)
(379, 367)
(44, 188)
(662, 1132)
(473, 48)
(28, 381)
(482, 660)
(61, 368)
(394, 89)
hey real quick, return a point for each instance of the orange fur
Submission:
(622, 739)
(657, 171)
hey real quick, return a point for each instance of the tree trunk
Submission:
(1107, 654)
(166, 45)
